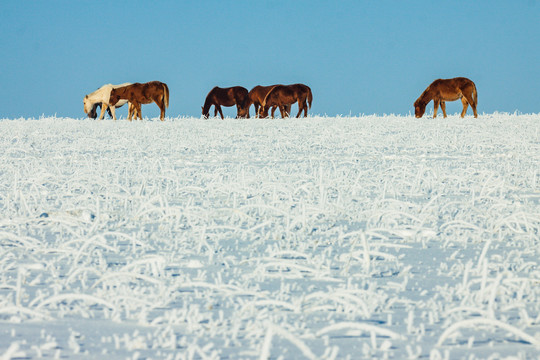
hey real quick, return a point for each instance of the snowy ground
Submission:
(331, 238)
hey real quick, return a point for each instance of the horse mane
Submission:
(118, 91)
(422, 98)
(267, 94)
(208, 101)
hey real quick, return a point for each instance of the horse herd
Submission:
(263, 98)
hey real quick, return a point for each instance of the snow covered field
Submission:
(319, 238)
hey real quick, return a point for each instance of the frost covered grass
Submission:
(384, 237)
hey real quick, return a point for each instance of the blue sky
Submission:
(359, 57)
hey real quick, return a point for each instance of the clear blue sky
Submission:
(359, 57)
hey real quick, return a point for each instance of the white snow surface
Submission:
(318, 238)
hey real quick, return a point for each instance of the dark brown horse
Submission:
(138, 94)
(257, 95)
(236, 95)
(286, 95)
(442, 90)
(93, 111)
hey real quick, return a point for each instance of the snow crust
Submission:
(319, 238)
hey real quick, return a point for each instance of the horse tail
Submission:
(475, 94)
(166, 95)
(309, 97)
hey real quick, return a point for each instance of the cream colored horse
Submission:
(102, 96)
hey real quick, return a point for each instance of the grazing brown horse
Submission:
(286, 95)
(442, 90)
(93, 111)
(138, 94)
(236, 95)
(257, 95)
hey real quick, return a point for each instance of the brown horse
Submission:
(138, 94)
(236, 95)
(286, 95)
(93, 111)
(442, 90)
(257, 95)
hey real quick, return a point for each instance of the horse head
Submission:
(205, 112)
(243, 113)
(419, 108)
(243, 109)
(87, 105)
(263, 111)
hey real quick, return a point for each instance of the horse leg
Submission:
(282, 111)
(435, 107)
(443, 108)
(161, 106)
(470, 100)
(274, 111)
(286, 110)
(130, 111)
(220, 112)
(134, 112)
(113, 110)
(473, 105)
(301, 106)
(139, 110)
(465, 106)
(304, 107)
(256, 110)
(103, 108)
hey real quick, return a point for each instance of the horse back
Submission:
(281, 95)
(258, 93)
(300, 88)
(451, 84)
(228, 96)
(240, 94)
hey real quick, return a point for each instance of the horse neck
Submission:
(426, 96)
(121, 92)
(98, 96)
(207, 104)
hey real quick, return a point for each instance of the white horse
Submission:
(101, 96)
